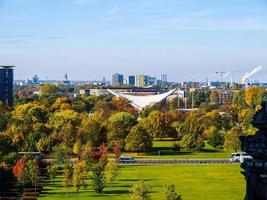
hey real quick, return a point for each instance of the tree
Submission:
(98, 177)
(214, 97)
(112, 170)
(239, 99)
(140, 191)
(117, 149)
(119, 126)
(216, 139)
(52, 170)
(231, 141)
(155, 124)
(123, 105)
(49, 93)
(67, 174)
(254, 96)
(192, 141)
(170, 193)
(79, 175)
(138, 139)
(91, 130)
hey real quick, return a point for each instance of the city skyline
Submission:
(89, 39)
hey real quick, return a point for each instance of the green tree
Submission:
(98, 177)
(216, 139)
(138, 139)
(49, 93)
(170, 193)
(140, 191)
(112, 169)
(192, 141)
(119, 126)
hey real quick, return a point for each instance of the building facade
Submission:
(131, 80)
(117, 79)
(6, 85)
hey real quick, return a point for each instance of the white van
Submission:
(239, 157)
(126, 159)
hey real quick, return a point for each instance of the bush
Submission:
(170, 193)
(190, 141)
(176, 146)
(140, 191)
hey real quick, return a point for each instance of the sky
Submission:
(90, 39)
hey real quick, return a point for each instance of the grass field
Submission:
(201, 182)
(163, 150)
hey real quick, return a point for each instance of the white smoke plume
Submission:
(248, 75)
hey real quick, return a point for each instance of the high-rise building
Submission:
(35, 79)
(6, 85)
(163, 78)
(140, 80)
(117, 79)
(131, 80)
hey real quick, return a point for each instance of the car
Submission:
(239, 157)
(126, 159)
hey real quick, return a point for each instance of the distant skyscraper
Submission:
(35, 79)
(6, 85)
(117, 79)
(66, 81)
(131, 80)
(163, 78)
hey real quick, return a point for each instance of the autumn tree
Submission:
(232, 142)
(112, 169)
(154, 124)
(254, 96)
(79, 175)
(123, 105)
(117, 149)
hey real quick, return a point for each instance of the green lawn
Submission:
(163, 150)
(201, 182)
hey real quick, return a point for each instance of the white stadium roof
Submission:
(140, 102)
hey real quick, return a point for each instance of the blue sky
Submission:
(89, 39)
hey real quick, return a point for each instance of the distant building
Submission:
(225, 97)
(35, 79)
(131, 80)
(140, 80)
(66, 81)
(163, 78)
(85, 92)
(98, 92)
(151, 80)
(6, 85)
(117, 79)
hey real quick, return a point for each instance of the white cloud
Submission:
(112, 11)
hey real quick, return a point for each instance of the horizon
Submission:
(91, 39)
